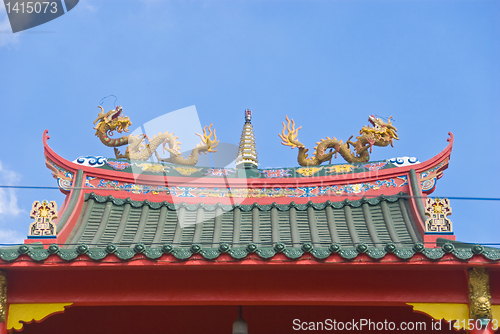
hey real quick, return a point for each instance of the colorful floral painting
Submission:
(310, 171)
(276, 173)
(374, 166)
(88, 182)
(340, 169)
(118, 165)
(186, 171)
(195, 192)
(219, 172)
(362, 187)
(133, 188)
(153, 168)
(92, 182)
(428, 173)
(64, 178)
(429, 185)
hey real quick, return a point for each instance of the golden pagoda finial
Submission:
(247, 152)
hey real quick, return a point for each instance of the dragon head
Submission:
(381, 130)
(117, 112)
(112, 121)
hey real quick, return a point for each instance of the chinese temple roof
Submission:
(128, 208)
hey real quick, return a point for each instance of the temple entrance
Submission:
(268, 319)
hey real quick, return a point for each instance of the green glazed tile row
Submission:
(37, 253)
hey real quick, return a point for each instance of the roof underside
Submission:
(125, 223)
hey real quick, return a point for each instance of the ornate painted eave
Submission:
(242, 187)
(170, 175)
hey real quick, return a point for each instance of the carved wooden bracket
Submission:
(479, 294)
(19, 314)
(3, 296)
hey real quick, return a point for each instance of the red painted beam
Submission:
(231, 287)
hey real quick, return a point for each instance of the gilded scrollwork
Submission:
(3, 295)
(479, 294)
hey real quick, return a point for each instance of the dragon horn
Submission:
(99, 115)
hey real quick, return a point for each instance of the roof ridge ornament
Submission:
(139, 149)
(43, 213)
(381, 134)
(438, 209)
(247, 151)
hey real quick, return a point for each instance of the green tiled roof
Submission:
(126, 228)
(124, 222)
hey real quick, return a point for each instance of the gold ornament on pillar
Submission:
(479, 294)
(3, 296)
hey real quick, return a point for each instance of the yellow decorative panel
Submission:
(446, 311)
(29, 312)
(495, 312)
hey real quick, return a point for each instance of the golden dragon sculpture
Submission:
(381, 134)
(138, 149)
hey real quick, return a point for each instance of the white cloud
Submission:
(84, 7)
(8, 203)
(7, 37)
(10, 237)
(8, 197)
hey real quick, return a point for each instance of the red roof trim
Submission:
(255, 183)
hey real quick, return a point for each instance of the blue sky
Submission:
(432, 65)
